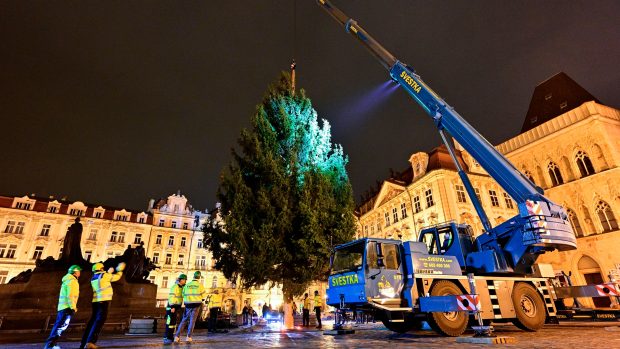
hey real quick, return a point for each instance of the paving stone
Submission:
(366, 336)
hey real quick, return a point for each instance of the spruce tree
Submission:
(285, 197)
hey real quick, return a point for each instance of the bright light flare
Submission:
(358, 108)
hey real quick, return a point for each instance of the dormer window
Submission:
(53, 207)
(141, 218)
(76, 212)
(77, 209)
(98, 212)
(419, 162)
(122, 215)
(23, 203)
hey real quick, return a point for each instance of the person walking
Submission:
(265, 310)
(173, 310)
(305, 318)
(101, 283)
(244, 313)
(193, 295)
(67, 305)
(318, 304)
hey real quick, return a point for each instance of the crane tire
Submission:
(451, 324)
(529, 307)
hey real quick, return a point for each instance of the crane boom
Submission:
(514, 245)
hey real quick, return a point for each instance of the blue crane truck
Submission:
(405, 283)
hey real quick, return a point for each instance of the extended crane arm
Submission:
(513, 181)
(542, 225)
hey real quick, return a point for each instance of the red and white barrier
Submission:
(468, 302)
(608, 289)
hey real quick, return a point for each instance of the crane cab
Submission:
(366, 269)
(449, 239)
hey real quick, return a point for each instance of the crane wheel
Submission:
(449, 323)
(529, 307)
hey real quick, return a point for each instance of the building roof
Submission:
(42, 203)
(553, 97)
(438, 158)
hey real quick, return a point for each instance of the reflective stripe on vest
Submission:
(69, 293)
(175, 297)
(102, 288)
(192, 293)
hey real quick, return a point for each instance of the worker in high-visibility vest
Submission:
(101, 283)
(193, 295)
(67, 305)
(215, 307)
(318, 305)
(305, 318)
(173, 310)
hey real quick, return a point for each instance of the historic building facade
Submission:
(429, 192)
(33, 228)
(569, 146)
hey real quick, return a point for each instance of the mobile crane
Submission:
(407, 282)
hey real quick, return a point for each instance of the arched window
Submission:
(555, 174)
(574, 222)
(541, 177)
(606, 216)
(528, 174)
(584, 164)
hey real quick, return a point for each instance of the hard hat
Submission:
(120, 266)
(197, 275)
(182, 277)
(74, 268)
(97, 266)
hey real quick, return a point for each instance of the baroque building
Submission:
(429, 192)
(569, 145)
(33, 228)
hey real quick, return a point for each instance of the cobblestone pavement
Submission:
(563, 336)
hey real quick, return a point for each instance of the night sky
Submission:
(117, 102)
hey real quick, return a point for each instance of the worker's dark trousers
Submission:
(317, 311)
(95, 324)
(172, 318)
(212, 324)
(62, 322)
(305, 319)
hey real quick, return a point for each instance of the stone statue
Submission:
(138, 265)
(71, 249)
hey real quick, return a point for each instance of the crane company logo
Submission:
(345, 280)
(409, 80)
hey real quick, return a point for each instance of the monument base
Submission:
(33, 304)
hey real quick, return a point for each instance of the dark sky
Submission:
(116, 102)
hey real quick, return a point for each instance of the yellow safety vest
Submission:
(307, 303)
(318, 301)
(102, 285)
(193, 292)
(215, 301)
(175, 297)
(69, 293)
